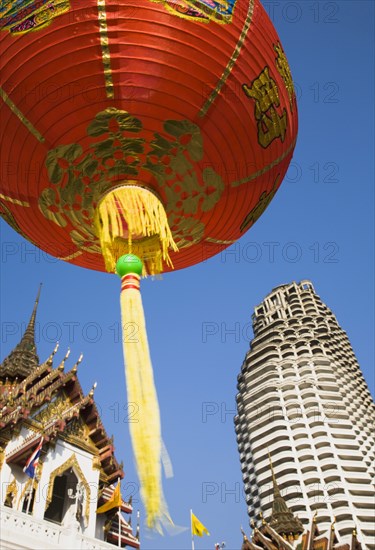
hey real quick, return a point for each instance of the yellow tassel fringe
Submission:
(131, 219)
(145, 430)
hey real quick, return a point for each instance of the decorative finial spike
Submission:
(75, 368)
(138, 527)
(62, 364)
(39, 291)
(50, 358)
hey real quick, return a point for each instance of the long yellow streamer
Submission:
(145, 431)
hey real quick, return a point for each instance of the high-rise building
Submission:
(302, 399)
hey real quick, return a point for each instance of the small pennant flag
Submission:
(114, 502)
(197, 528)
(33, 460)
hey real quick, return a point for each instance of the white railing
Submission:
(18, 530)
(16, 527)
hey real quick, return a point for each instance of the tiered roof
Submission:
(51, 402)
(266, 538)
(111, 527)
(284, 531)
(282, 520)
(23, 360)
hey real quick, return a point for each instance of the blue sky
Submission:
(319, 226)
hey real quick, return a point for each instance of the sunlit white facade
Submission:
(302, 398)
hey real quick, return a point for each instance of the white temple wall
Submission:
(64, 453)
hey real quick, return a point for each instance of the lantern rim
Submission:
(127, 183)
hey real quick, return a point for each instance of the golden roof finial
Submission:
(79, 360)
(62, 364)
(50, 358)
(243, 534)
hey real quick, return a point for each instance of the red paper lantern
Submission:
(191, 99)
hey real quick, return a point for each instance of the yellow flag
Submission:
(114, 502)
(197, 528)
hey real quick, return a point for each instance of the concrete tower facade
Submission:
(302, 398)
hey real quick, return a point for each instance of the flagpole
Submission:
(191, 529)
(36, 461)
(119, 516)
(31, 491)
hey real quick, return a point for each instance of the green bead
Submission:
(129, 263)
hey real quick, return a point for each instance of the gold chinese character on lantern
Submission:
(271, 124)
(282, 66)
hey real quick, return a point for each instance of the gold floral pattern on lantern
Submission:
(117, 151)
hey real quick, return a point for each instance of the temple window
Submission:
(65, 506)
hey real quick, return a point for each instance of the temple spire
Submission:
(30, 329)
(23, 359)
(276, 490)
(282, 520)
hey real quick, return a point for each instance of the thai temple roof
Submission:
(49, 399)
(282, 520)
(284, 531)
(266, 538)
(23, 359)
(49, 402)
